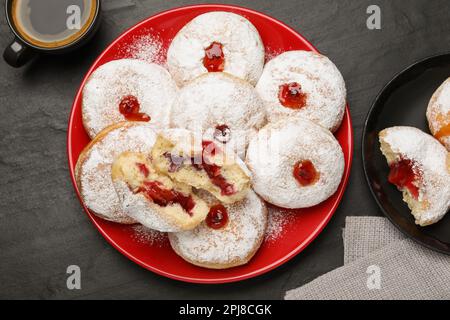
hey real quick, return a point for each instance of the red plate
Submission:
(159, 258)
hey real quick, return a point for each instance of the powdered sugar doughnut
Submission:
(216, 41)
(295, 163)
(142, 89)
(420, 168)
(438, 114)
(224, 108)
(303, 84)
(220, 243)
(93, 169)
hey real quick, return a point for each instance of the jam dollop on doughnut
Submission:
(217, 217)
(129, 107)
(403, 175)
(222, 133)
(214, 60)
(163, 197)
(305, 173)
(291, 95)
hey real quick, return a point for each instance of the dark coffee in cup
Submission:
(49, 26)
(52, 23)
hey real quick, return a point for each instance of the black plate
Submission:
(403, 101)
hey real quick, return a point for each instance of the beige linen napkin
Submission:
(375, 250)
(363, 235)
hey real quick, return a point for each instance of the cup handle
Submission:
(18, 53)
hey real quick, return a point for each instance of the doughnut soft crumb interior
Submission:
(154, 199)
(205, 167)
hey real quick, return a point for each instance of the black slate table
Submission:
(42, 226)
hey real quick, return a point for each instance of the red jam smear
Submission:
(129, 107)
(305, 173)
(163, 197)
(209, 148)
(217, 217)
(291, 95)
(214, 60)
(213, 171)
(222, 133)
(403, 176)
(143, 169)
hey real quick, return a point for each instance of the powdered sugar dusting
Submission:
(148, 236)
(220, 99)
(438, 111)
(277, 147)
(94, 174)
(272, 53)
(320, 80)
(149, 48)
(278, 220)
(150, 83)
(242, 47)
(431, 159)
(232, 245)
(443, 100)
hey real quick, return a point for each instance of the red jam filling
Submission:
(213, 171)
(402, 175)
(305, 173)
(217, 217)
(291, 95)
(143, 169)
(222, 133)
(209, 148)
(129, 107)
(214, 60)
(163, 197)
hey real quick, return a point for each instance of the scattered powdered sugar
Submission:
(145, 235)
(278, 220)
(271, 53)
(148, 47)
